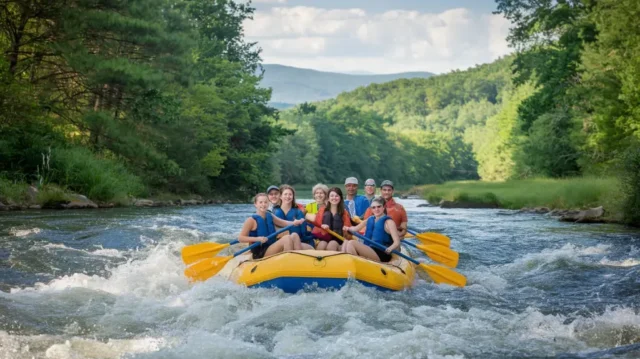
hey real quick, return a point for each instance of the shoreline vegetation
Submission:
(581, 199)
(22, 196)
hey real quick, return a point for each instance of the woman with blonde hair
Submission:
(320, 193)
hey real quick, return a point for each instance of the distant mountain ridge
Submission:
(292, 85)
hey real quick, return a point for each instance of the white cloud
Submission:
(295, 46)
(393, 41)
(270, 1)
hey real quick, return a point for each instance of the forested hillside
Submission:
(124, 98)
(292, 85)
(409, 130)
(566, 104)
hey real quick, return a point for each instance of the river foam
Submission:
(545, 299)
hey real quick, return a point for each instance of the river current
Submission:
(109, 284)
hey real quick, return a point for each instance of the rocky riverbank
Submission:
(78, 201)
(590, 215)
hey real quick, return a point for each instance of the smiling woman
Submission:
(381, 229)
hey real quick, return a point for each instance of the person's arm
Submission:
(247, 227)
(355, 228)
(347, 223)
(390, 227)
(402, 229)
(311, 217)
(282, 223)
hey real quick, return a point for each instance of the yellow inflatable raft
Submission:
(296, 270)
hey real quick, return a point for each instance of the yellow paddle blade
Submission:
(206, 268)
(196, 252)
(440, 274)
(434, 238)
(440, 254)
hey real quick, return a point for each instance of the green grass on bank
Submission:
(11, 192)
(18, 193)
(572, 193)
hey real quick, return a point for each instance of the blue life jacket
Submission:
(292, 215)
(375, 231)
(265, 228)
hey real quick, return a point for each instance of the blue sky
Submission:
(378, 36)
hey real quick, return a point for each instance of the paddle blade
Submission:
(206, 268)
(434, 238)
(440, 274)
(196, 252)
(440, 254)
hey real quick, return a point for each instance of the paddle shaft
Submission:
(381, 247)
(330, 231)
(409, 243)
(255, 244)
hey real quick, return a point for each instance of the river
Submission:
(109, 284)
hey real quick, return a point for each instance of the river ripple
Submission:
(109, 284)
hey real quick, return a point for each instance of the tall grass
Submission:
(11, 192)
(569, 193)
(97, 178)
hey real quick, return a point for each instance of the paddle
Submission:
(439, 274)
(328, 230)
(438, 253)
(206, 268)
(196, 252)
(431, 237)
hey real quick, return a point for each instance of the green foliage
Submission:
(390, 131)
(584, 192)
(630, 182)
(550, 36)
(550, 148)
(298, 155)
(51, 195)
(98, 178)
(611, 77)
(165, 88)
(11, 192)
(583, 56)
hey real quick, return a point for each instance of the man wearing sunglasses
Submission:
(394, 210)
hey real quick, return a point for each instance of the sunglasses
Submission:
(374, 207)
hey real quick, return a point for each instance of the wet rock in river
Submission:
(592, 215)
(143, 203)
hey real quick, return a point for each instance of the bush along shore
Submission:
(20, 196)
(582, 200)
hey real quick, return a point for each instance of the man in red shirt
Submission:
(394, 210)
